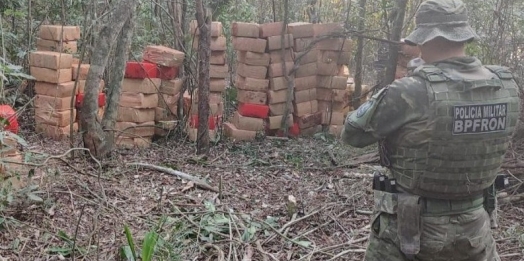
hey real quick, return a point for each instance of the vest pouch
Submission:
(474, 85)
(385, 202)
(409, 223)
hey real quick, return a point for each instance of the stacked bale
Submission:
(305, 105)
(332, 92)
(135, 119)
(58, 38)
(279, 96)
(251, 82)
(168, 62)
(218, 72)
(54, 87)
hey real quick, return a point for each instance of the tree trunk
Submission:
(312, 11)
(359, 56)
(204, 52)
(396, 34)
(114, 86)
(93, 135)
(178, 9)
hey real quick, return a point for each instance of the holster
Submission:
(409, 223)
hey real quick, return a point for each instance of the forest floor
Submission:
(85, 206)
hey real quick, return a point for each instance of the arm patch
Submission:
(362, 116)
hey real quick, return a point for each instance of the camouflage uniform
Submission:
(437, 215)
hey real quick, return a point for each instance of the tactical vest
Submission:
(469, 127)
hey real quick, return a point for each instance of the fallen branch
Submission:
(513, 198)
(517, 165)
(357, 175)
(277, 138)
(347, 252)
(364, 212)
(198, 182)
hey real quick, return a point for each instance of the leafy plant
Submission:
(149, 246)
(10, 72)
(8, 194)
(11, 75)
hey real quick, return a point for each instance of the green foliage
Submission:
(149, 246)
(11, 73)
(8, 194)
(68, 246)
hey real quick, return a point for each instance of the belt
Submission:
(442, 206)
(388, 203)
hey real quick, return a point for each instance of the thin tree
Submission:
(397, 16)
(114, 86)
(289, 78)
(360, 55)
(94, 137)
(178, 8)
(204, 52)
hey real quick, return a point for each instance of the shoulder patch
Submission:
(362, 116)
(364, 108)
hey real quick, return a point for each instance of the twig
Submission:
(281, 235)
(230, 239)
(357, 175)
(277, 138)
(219, 251)
(60, 156)
(264, 253)
(81, 171)
(322, 225)
(350, 243)
(198, 182)
(511, 255)
(509, 199)
(347, 252)
(76, 233)
(248, 255)
(294, 221)
(286, 230)
(364, 212)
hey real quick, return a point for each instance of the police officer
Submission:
(443, 132)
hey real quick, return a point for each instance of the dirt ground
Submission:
(85, 206)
